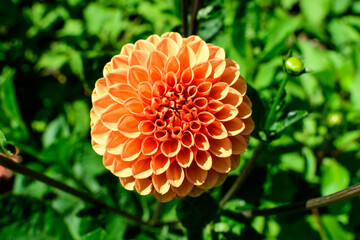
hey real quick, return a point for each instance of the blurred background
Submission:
(52, 52)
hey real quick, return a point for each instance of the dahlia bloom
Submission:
(170, 116)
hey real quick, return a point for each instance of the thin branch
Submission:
(184, 17)
(194, 22)
(241, 178)
(309, 204)
(156, 214)
(16, 167)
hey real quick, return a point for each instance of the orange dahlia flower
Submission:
(170, 116)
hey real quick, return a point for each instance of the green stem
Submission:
(16, 167)
(270, 118)
(243, 175)
(194, 22)
(184, 17)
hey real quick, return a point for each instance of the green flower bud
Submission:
(335, 119)
(294, 66)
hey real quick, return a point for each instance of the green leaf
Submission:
(290, 118)
(2, 141)
(195, 213)
(335, 177)
(29, 218)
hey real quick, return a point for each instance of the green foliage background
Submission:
(52, 52)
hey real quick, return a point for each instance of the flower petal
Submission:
(201, 141)
(218, 67)
(175, 174)
(134, 106)
(127, 49)
(239, 144)
(234, 126)
(245, 110)
(161, 183)
(227, 113)
(195, 174)
(187, 76)
(168, 47)
(121, 92)
(230, 75)
(138, 57)
(110, 117)
(249, 126)
(185, 157)
(159, 163)
(129, 126)
(211, 180)
(172, 65)
(203, 159)
(101, 104)
(141, 168)
(136, 75)
(202, 70)
(195, 192)
(170, 147)
(216, 52)
(235, 161)
(145, 92)
(187, 140)
(120, 62)
(131, 150)
(221, 165)
(154, 39)
(233, 97)
(143, 186)
(164, 197)
(201, 50)
(115, 143)
(186, 57)
(100, 133)
(144, 45)
(219, 91)
(128, 183)
(116, 76)
(149, 146)
(184, 189)
(157, 59)
(216, 130)
(221, 147)
(206, 118)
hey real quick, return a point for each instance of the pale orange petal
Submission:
(201, 50)
(206, 118)
(143, 186)
(101, 104)
(129, 126)
(234, 126)
(144, 45)
(157, 59)
(98, 148)
(239, 144)
(170, 147)
(131, 150)
(240, 85)
(121, 91)
(184, 189)
(249, 126)
(176, 37)
(219, 91)
(168, 47)
(101, 88)
(187, 139)
(149, 146)
(201, 103)
(201, 141)
(128, 183)
(233, 97)
(161, 183)
(136, 75)
(116, 76)
(245, 110)
(218, 67)
(138, 57)
(216, 52)
(230, 75)
(203, 159)
(227, 113)
(127, 49)
(185, 157)
(221, 165)
(107, 68)
(120, 61)
(204, 89)
(145, 92)
(100, 133)
(110, 117)
(115, 143)
(187, 76)
(221, 148)
(159, 89)
(211, 180)
(195, 174)
(202, 70)
(215, 106)
(141, 168)
(122, 168)
(175, 174)
(154, 39)
(170, 80)
(216, 130)
(165, 197)
(172, 65)
(134, 106)
(159, 164)
(186, 57)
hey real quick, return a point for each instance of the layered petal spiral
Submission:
(170, 116)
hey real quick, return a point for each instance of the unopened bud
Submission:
(294, 66)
